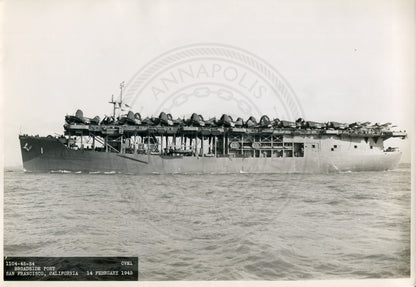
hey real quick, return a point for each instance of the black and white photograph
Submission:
(236, 142)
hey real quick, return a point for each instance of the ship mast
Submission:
(121, 92)
(117, 104)
(114, 106)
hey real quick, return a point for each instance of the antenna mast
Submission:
(119, 102)
(121, 92)
(114, 106)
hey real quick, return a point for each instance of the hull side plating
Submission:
(48, 154)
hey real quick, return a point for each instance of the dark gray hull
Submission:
(42, 154)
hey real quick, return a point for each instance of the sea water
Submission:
(218, 227)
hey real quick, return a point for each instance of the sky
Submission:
(345, 61)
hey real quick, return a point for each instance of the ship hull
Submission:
(48, 155)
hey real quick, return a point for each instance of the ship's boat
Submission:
(165, 119)
(251, 122)
(239, 123)
(226, 121)
(265, 122)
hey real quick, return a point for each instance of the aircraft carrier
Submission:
(130, 144)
